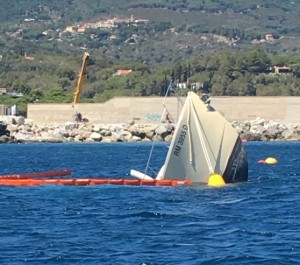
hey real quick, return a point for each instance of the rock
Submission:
(25, 128)
(84, 134)
(8, 120)
(29, 122)
(162, 131)
(135, 131)
(235, 124)
(135, 139)
(73, 133)
(117, 127)
(105, 132)
(271, 133)
(22, 137)
(288, 134)
(239, 129)
(249, 136)
(258, 121)
(19, 120)
(150, 131)
(3, 129)
(71, 125)
(146, 140)
(96, 128)
(96, 136)
(157, 138)
(106, 140)
(64, 133)
(123, 136)
(4, 139)
(89, 140)
(257, 129)
(78, 138)
(170, 128)
(51, 137)
(168, 138)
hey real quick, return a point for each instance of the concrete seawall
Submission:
(150, 110)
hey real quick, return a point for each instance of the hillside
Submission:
(180, 22)
(207, 41)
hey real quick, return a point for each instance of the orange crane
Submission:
(81, 76)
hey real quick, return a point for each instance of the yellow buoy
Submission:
(271, 161)
(216, 180)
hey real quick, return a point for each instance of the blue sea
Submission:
(257, 222)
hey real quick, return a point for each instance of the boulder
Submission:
(96, 128)
(71, 125)
(288, 134)
(29, 122)
(163, 131)
(3, 130)
(257, 128)
(8, 120)
(19, 120)
(168, 138)
(96, 136)
(135, 139)
(4, 139)
(150, 131)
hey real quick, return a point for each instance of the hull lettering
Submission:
(181, 139)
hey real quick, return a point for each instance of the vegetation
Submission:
(206, 44)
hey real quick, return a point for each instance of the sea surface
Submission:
(257, 222)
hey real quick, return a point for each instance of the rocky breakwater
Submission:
(265, 130)
(16, 129)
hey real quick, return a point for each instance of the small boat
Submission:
(204, 144)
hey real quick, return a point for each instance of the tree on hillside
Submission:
(258, 61)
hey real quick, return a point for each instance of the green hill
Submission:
(212, 42)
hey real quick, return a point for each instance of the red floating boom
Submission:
(50, 178)
(91, 181)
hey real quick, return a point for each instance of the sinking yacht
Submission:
(204, 144)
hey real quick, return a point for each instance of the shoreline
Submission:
(17, 129)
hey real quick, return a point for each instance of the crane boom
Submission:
(81, 76)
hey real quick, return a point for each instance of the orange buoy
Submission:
(261, 161)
